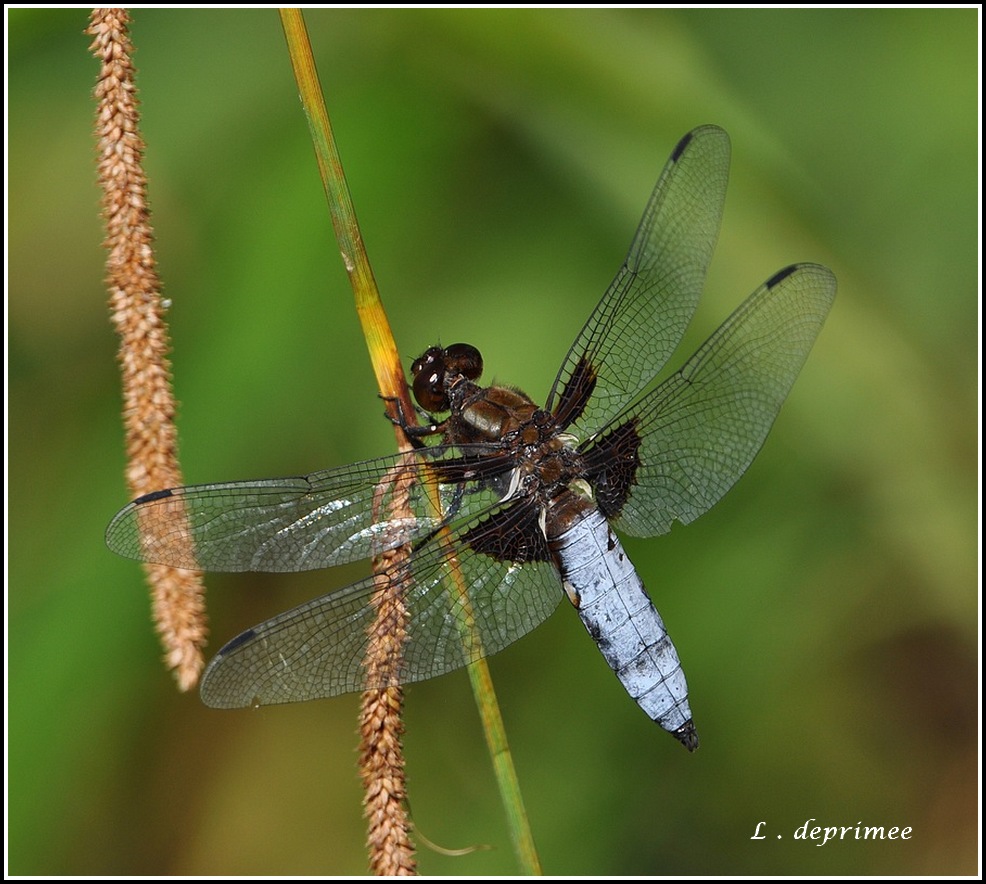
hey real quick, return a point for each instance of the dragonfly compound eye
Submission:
(464, 359)
(429, 380)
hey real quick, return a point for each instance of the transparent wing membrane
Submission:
(642, 317)
(702, 427)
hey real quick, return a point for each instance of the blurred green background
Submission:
(826, 611)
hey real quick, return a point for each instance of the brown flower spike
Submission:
(381, 726)
(137, 311)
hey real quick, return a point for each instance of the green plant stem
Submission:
(390, 378)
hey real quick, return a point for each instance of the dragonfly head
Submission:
(437, 370)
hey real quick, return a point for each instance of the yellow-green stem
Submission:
(390, 380)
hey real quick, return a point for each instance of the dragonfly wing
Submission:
(299, 523)
(699, 430)
(454, 600)
(641, 319)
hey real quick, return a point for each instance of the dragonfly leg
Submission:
(414, 432)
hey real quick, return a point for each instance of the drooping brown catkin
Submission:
(137, 312)
(381, 726)
(385, 795)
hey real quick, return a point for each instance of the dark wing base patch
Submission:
(510, 535)
(611, 467)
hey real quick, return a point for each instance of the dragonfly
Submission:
(503, 507)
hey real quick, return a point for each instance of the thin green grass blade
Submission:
(390, 379)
